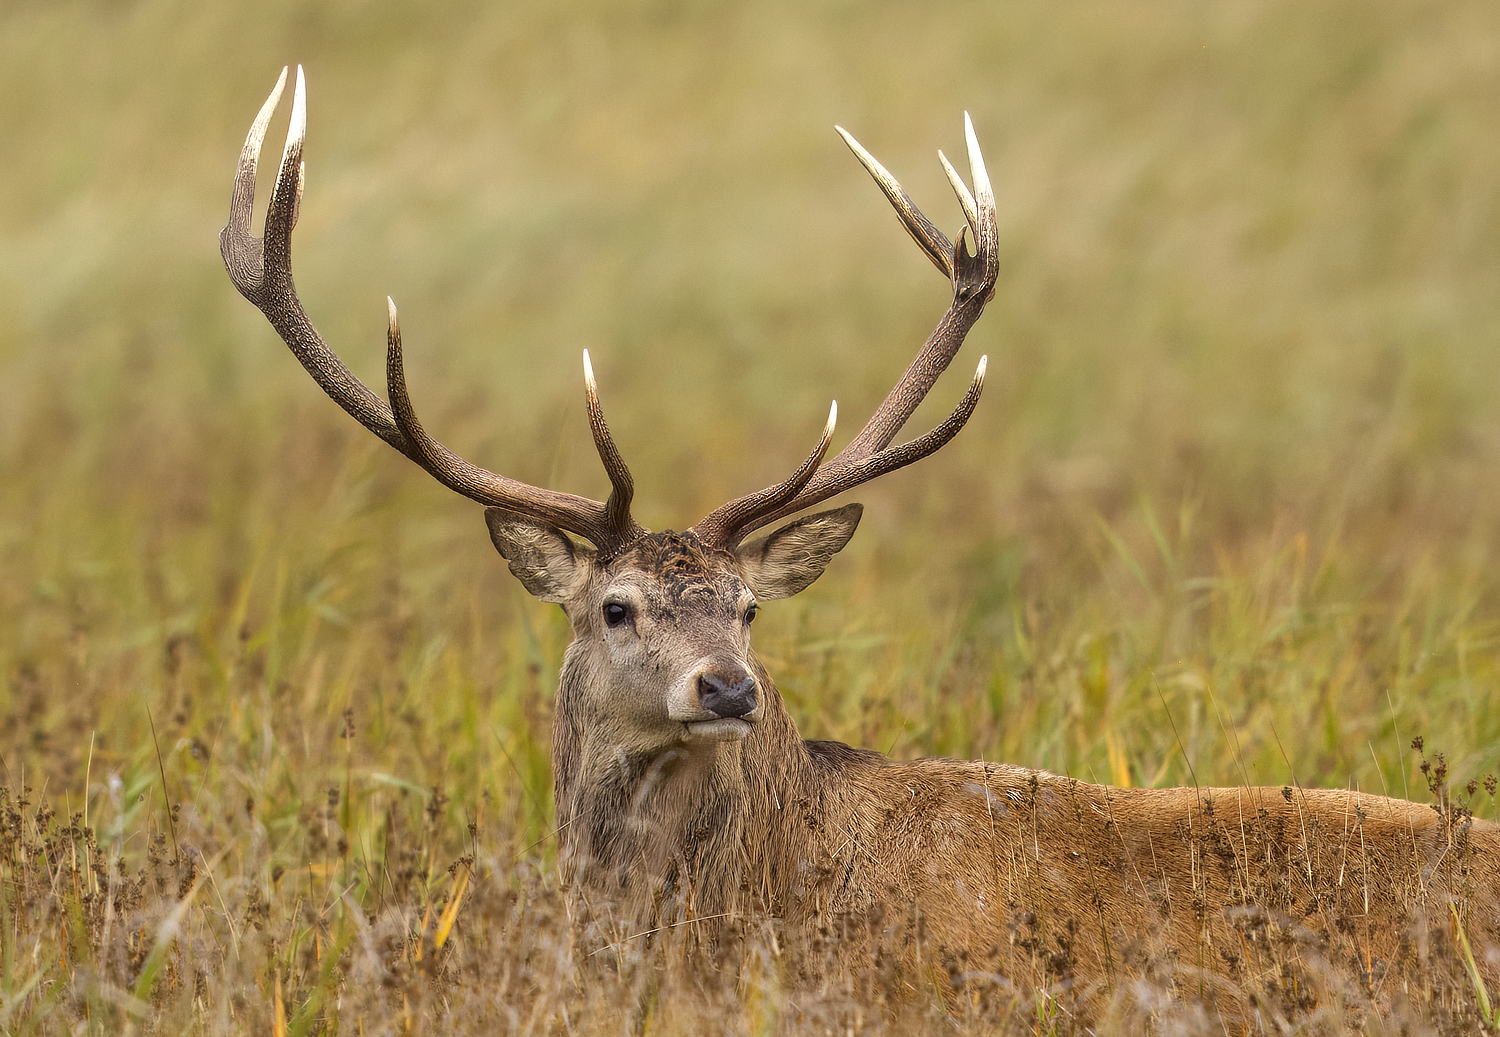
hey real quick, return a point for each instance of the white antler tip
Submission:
(588, 371)
(258, 128)
(390, 305)
(983, 363)
(981, 177)
(298, 130)
(865, 158)
(833, 417)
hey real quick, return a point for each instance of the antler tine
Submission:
(588, 518)
(622, 485)
(245, 263)
(842, 473)
(931, 240)
(987, 227)
(261, 268)
(965, 199)
(727, 525)
(870, 455)
(286, 193)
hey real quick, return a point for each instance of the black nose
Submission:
(729, 695)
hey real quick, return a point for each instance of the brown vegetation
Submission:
(1226, 516)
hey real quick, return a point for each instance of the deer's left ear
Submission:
(788, 561)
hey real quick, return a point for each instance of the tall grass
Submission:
(1226, 514)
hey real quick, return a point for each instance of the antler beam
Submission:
(261, 268)
(869, 454)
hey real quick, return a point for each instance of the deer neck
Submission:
(684, 830)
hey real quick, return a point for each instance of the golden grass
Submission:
(1227, 510)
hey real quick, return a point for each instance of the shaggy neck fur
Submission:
(666, 830)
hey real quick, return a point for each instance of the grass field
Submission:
(1227, 513)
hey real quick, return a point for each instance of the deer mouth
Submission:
(722, 729)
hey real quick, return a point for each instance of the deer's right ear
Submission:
(547, 563)
(790, 559)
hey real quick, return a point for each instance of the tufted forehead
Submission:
(683, 566)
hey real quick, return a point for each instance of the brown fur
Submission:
(954, 868)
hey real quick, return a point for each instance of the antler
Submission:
(869, 455)
(261, 268)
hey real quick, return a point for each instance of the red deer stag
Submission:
(684, 790)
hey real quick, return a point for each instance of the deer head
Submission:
(661, 621)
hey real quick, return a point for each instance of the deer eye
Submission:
(750, 614)
(615, 613)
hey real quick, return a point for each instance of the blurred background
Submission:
(1226, 513)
